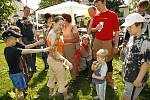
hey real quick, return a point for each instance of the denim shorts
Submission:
(18, 81)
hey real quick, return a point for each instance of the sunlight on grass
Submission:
(81, 89)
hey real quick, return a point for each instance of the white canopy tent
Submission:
(69, 7)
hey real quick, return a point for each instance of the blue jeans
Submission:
(100, 90)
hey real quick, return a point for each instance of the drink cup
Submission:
(101, 23)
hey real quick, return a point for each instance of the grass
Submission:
(81, 90)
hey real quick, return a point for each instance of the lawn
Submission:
(81, 89)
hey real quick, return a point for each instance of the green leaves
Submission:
(6, 9)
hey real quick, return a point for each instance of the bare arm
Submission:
(28, 51)
(41, 41)
(143, 70)
(89, 28)
(97, 28)
(116, 39)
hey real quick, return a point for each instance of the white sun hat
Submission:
(133, 18)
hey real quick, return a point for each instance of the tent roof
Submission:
(69, 7)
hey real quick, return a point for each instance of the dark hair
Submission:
(26, 7)
(95, 1)
(57, 18)
(24, 18)
(47, 16)
(67, 17)
(143, 4)
(139, 23)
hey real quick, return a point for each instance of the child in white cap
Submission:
(99, 69)
(137, 57)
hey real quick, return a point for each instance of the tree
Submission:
(47, 3)
(114, 5)
(6, 9)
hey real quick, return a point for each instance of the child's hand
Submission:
(95, 62)
(137, 83)
(93, 75)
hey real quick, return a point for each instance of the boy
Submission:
(137, 57)
(12, 54)
(99, 69)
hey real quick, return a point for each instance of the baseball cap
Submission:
(9, 33)
(133, 18)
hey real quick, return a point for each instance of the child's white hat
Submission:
(133, 18)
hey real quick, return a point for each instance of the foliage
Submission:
(6, 9)
(114, 5)
(47, 3)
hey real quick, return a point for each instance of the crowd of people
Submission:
(91, 54)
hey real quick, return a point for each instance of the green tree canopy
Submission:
(114, 5)
(6, 9)
(48, 3)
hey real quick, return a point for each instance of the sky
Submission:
(34, 3)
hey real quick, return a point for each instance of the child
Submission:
(85, 55)
(137, 57)
(12, 55)
(99, 69)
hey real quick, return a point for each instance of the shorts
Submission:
(101, 44)
(129, 89)
(18, 81)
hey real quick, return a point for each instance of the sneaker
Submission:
(91, 85)
(96, 98)
(112, 86)
(69, 97)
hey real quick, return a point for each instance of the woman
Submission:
(55, 60)
(71, 42)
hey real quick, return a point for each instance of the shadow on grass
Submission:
(38, 79)
(111, 94)
(145, 94)
(5, 97)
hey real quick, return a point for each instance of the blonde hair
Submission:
(102, 52)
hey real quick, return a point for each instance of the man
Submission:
(105, 24)
(92, 13)
(141, 7)
(26, 28)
